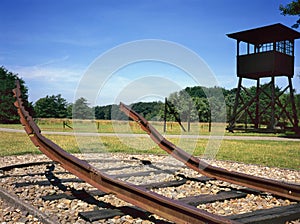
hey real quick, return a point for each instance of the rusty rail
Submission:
(290, 191)
(167, 208)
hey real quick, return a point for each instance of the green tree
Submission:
(184, 105)
(51, 106)
(81, 109)
(103, 112)
(292, 9)
(69, 110)
(202, 106)
(8, 112)
(297, 100)
(149, 110)
(200, 103)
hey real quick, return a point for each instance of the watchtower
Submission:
(265, 52)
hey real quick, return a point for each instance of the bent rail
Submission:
(139, 196)
(290, 191)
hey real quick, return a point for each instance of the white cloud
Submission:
(48, 71)
(46, 79)
(145, 88)
(45, 73)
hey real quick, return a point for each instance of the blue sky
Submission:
(51, 44)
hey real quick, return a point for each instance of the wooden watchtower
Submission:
(265, 52)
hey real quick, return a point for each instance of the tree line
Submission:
(196, 104)
(8, 112)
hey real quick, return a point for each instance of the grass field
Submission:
(269, 153)
(107, 126)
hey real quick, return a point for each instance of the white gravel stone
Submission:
(66, 211)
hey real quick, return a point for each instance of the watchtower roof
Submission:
(266, 34)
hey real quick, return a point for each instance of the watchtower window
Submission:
(265, 47)
(285, 47)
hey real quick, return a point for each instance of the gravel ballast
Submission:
(66, 210)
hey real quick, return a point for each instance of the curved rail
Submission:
(139, 196)
(290, 191)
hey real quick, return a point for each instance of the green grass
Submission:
(107, 126)
(269, 153)
(283, 154)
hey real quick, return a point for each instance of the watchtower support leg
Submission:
(272, 122)
(295, 117)
(236, 103)
(257, 120)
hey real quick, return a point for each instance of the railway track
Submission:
(173, 209)
(47, 188)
